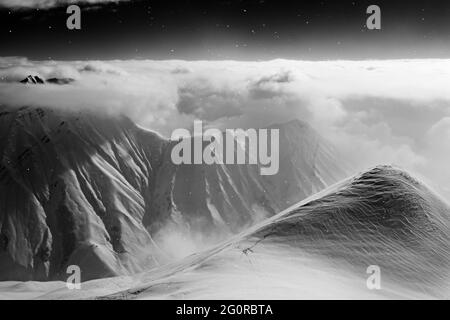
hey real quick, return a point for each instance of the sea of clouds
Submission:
(392, 111)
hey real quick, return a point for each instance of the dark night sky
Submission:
(244, 30)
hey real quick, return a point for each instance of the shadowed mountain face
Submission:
(87, 190)
(73, 191)
(231, 197)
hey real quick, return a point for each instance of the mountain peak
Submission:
(60, 81)
(38, 80)
(32, 80)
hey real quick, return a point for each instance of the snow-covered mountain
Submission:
(38, 80)
(73, 189)
(320, 248)
(60, 81)
(78, 188)
(32, 80)
(232, 197)
(382, 217)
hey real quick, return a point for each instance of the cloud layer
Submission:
(376, 111)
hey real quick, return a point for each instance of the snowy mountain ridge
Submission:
(100, 192)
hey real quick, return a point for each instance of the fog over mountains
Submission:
(87, 179)
(79, 188)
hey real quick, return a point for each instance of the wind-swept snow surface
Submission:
(322, 248)
(319, 248)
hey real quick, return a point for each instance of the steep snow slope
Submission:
(383, 217)
(308, 164)
(231, 197)
(320, 248)
(73, 189)
(95, 191)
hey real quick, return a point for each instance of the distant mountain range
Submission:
(91, 190)
(37, 80)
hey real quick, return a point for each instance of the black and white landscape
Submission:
(87, 178)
